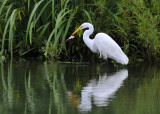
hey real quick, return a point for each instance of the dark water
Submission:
(34, 87)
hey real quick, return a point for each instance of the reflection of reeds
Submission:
(58, 96)
(10, 86)
(14, 96)
(3, 79)
(57, 88)
(29, 103)
(7, 86)
(3, 86)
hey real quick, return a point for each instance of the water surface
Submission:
(30, 86)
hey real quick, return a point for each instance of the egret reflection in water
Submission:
(37, 87)
(101, 90)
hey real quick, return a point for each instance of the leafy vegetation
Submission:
(137, 22)
(41, 27)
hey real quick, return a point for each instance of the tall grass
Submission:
(31, 23)
(138, 23)
(61, 24)
(147, 28)
(43, 26)
(35, 25)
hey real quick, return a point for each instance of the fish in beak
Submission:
(72, 36)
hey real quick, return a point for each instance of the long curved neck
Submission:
(86, 39)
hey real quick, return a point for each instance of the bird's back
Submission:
(108, 48)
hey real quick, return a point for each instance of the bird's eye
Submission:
(86, 28)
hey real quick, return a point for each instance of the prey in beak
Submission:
(72, 36)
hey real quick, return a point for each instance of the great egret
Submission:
(103, 44)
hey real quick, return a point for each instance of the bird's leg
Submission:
(106, 61)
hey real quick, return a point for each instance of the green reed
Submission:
(52, 30)
(43, 27)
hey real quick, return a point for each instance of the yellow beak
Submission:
(76, 30)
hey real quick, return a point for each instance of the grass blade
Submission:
(42, 10)
(2, 6)
(4, 35)
(44, 29)
(29, 4)
(8, 10)
(48, 41)
(63, 45)
(58, 35)
(60, 16)
(11, 31)
(30, 31)
(53, 13)
(30, 19)
(87, 15)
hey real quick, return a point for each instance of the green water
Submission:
(35, 87)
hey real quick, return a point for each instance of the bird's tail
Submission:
(123, 59)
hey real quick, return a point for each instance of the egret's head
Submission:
(83, 26)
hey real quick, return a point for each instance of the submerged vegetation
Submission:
(40, 27)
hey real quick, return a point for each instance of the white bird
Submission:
(103, 44)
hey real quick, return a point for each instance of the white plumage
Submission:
(103, 44)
